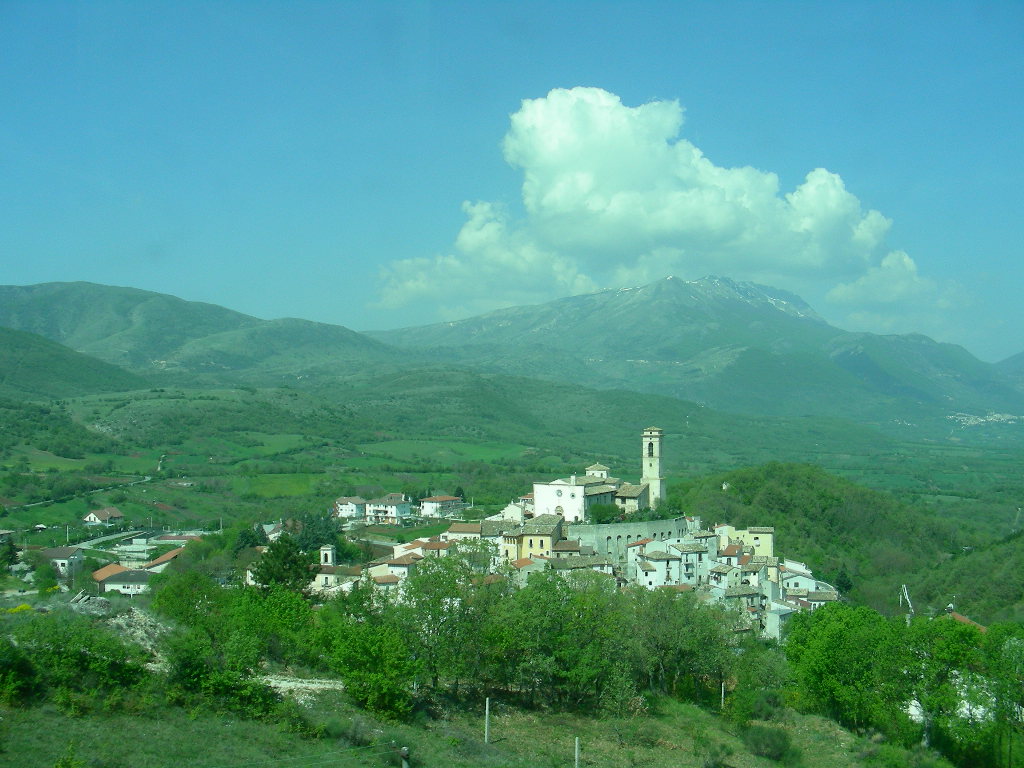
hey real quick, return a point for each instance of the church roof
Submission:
(629, 491)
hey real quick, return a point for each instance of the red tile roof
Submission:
(638, 542)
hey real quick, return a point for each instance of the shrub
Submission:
(772, 743)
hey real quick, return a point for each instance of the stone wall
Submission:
(612, 539)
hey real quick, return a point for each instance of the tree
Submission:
(283, 563)
(849, 664)
(317, 530)
(375, 664)
(604, 513)
(1003, 649)
(943, 651)
(248, 537)
(70, 651)
(8, 552)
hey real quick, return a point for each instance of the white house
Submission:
(127, 582)
(658, 569)
(392, 509)
(64, 559)
(350, 507)
(440, 506)
(462, 531)
(105, 516)
(329, 576)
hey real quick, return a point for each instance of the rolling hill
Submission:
(34, 368)
(154, 333)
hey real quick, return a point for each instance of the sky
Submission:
(380, 165)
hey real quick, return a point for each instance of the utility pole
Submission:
(577, 761)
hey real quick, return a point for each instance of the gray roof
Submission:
(690, 548)
(821, 597)
(59, 553)
(593, 490)
(542, 525)
(629, 491)
(660, 556)
(129, 577)
(743, 591)
(491, 528)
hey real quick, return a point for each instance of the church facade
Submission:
(571, 497)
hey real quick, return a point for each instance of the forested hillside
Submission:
(864, 542)
(34, 368)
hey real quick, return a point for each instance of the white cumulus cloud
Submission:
(613, 196)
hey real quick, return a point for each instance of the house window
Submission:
(531, 543)
(650, 449)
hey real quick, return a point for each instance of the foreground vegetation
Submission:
(639, 675)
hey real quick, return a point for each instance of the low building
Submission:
(350, 507)
(64, 559)
(440, 506)
(127, 582)
(105, 516)
(462, 531)
(392, 509)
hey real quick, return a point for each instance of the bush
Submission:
(772, 743)
(744, 706)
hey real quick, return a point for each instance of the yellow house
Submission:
(535, 538)
(761, 539)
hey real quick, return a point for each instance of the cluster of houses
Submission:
(550, 529)
(131, 574)
(735, 567)
(395, 508)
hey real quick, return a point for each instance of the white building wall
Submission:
(560, 498)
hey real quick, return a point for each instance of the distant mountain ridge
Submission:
(734, 346)
(145, 331)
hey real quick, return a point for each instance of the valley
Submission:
(879, 461)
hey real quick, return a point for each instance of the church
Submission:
(571, 497)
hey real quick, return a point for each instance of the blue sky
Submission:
(385, 164)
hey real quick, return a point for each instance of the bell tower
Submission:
(651, 464)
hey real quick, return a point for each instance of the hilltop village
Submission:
(550, 529)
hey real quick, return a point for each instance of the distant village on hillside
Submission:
(547, 529)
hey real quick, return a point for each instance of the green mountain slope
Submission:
(124, 326)
(147, 331)
(734, 346)
(985, 583)
(33, 368)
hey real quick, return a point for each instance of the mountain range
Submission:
(731, 346)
